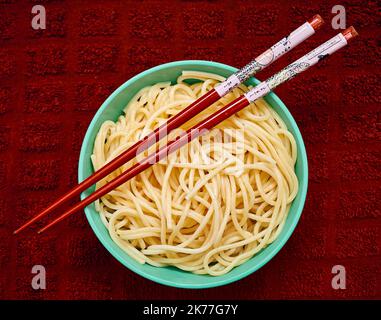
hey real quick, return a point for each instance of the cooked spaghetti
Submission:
(214, 203)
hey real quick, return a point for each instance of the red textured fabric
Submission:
(53, 81)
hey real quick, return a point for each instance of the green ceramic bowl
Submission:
(112, 108)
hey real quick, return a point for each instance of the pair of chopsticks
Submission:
(258, 64)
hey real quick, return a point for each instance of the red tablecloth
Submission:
(53, 81)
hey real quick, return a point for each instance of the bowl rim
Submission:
(271, 251)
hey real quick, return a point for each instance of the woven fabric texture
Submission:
(52, 82)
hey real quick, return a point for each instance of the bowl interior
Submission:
(112, 108)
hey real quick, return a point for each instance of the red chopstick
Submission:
(259, 63)
(241, 102)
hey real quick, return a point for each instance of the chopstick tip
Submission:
(350, 33)
(316, 21)
(18, 230)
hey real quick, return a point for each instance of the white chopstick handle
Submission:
(266, 58)
(305, 62)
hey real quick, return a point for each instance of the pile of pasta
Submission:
(214, 203)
